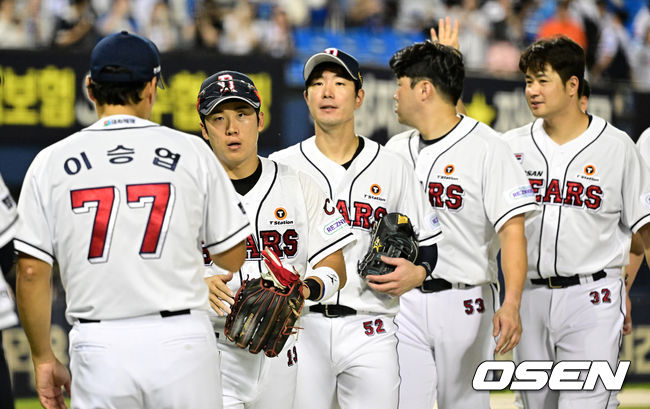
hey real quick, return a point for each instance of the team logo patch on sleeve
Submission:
(331, 227)
(434, 221)
(645, 199)
(519, 193)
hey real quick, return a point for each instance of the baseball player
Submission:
(636, 248)
(482, 195)
(286, 209)
(8, 318)
(573, 302)
(123, 207)
(348, 344)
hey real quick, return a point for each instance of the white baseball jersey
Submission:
(377, 182)
(287, 211)
(135, 248)
(643, 144)
(474, 182)
(585, 194)
(8, 219)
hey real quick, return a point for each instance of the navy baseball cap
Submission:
(137, 56)
(336, 56)
(226, 86)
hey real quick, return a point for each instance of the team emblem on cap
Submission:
(590, 170)
(375, 189)
(280, 213)
(449, 169)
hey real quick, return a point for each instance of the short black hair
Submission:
(438, 63)
(336, 68)
(564, 55)
(116, 93)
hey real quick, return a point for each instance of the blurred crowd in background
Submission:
(615, 36)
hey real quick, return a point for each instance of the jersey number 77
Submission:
(106, 201)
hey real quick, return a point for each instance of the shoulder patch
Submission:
(519, 193)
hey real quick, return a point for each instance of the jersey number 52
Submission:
(106, 200)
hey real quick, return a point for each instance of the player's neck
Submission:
(339, 144)
(243, 169)
(139, 110)
(435, 126)
(566, 126)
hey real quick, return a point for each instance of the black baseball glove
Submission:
(391, 236)
(266, 309)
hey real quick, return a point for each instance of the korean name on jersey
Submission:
(104, 235)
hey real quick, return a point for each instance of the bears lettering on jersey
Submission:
(362, 213)
(283, 244)
(450, 196)
(574, 194)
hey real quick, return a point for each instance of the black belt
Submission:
(163, 314)
(333, 310)
(435, 285)
(563, 282)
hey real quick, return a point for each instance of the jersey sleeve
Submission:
(643, 144)
(507, 192)
(33, 232)
(635, 190)
(328, 231)
(415, 205)
(226, 223)
(8, 214)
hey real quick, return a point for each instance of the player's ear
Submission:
(260, 121)
(149, 91)
(304, 94)
(89, 90)
(573, 85)
(425, 89)
(359, 98)
(204, 132)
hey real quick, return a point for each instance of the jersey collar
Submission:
(116, 122)
(544, 141)
(461, 129)
(364, 157)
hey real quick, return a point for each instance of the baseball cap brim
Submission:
(213, 104)
(320, 58)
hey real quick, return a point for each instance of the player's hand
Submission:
(405, 277)
(507, 326)
(627, 323)
(51, 376)
(447, 35)
(221, 296)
